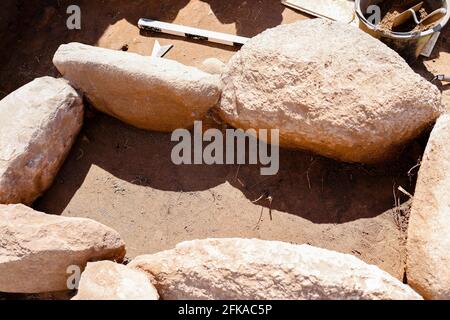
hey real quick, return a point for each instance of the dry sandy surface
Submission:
(123, 177)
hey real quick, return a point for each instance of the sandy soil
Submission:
(123, 177)
(392, 8)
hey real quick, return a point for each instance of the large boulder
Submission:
(36, 249)
(428, 247)
(146, 92)
(38, 125)
(106, 280)
(256, 269)
(330, 89)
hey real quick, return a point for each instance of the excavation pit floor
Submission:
(124, 177)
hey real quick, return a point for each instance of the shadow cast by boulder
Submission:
(315, 188)
(250, 19)
(33, 51)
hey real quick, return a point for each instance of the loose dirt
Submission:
(391, 9)
(124, 177)
(388, 21)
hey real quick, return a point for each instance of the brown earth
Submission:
(123, 177)
(392, 8)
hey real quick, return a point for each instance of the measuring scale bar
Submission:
(191, 33)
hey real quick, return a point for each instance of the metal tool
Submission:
(191, 33)
(428, 49)
(441, 77)
(406, 15)
(436, 15)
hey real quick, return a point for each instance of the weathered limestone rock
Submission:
(36, 249)
(329, 88)
(149, 93)
(428, 247)
(213, 66)
(256, 269)
(38, 125)
(106, 280)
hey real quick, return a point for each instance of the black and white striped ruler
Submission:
(191, 33)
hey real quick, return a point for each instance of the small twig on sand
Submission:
(259, 199)
(260, 218)
(307, 172)
(410, 174)
(237, 173)
(270, 207)
(309, 181)
(400, 188)
(396, 211)
(80, 154)
(266, 196)
(396, 200)
(241, 183)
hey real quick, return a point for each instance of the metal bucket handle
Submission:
(404, 35)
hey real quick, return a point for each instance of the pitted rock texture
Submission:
(428, 247)
(38, 125)
(329, 88)
(36, 249)
(257, 269)
(106, 280)
(146, 92)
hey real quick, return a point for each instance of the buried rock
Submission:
(37, 249)
(38, 125)
(428, 247)
(329, 88)
(264, 270)
(213, 66)
(149, 93)
(106, 280)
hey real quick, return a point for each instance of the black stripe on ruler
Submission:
(195, 37)
(152, 29)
